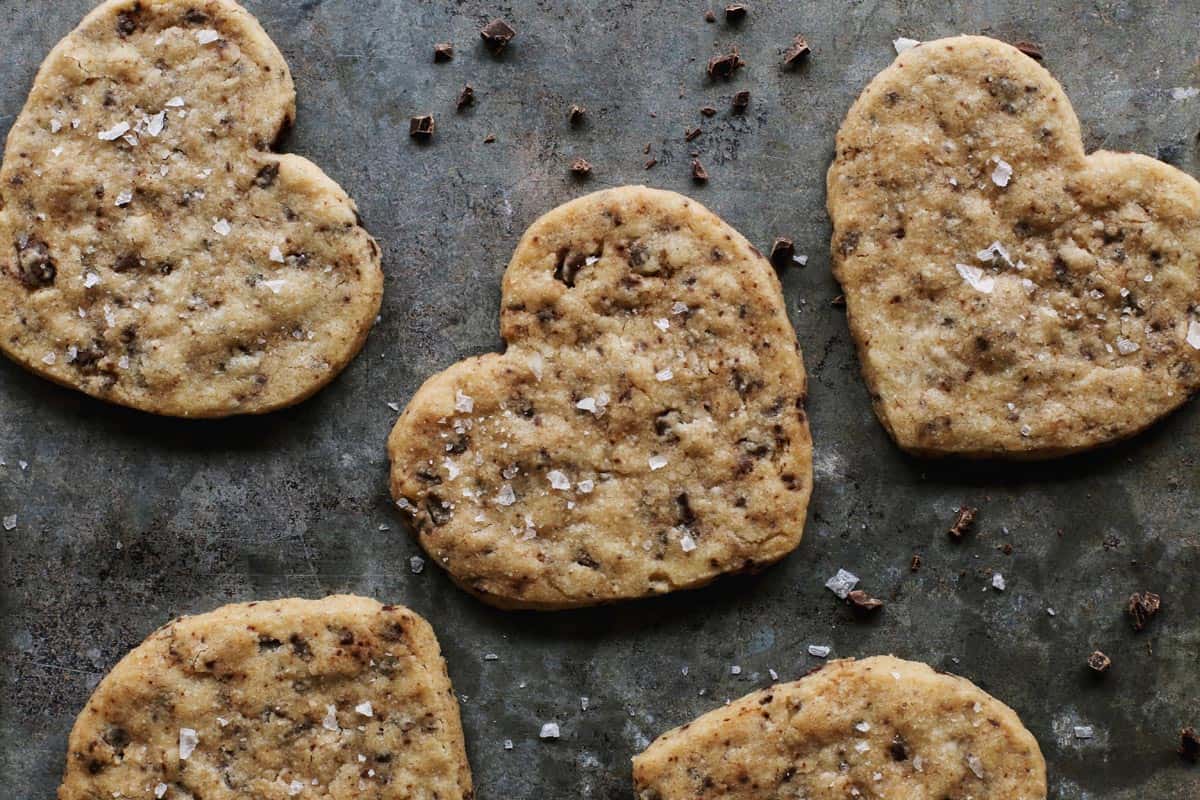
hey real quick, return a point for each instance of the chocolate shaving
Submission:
(650, 163)
(1189, 744)
(839, 302)
(466, 97)
(699, 173)
(1030, 49)
(691, 133)
(709, 16)
(741, 101)
(581, 167)
(576, 114)
(708, 111)
(1098, 662)
(1142, 606)
(899, 749)
(491, 137)
(782, 252)
(963, 522)
(496, 35)
(421, 127)
(443, 51)
(735, 13)
(796, 53)
(915, 564)
(863, 601)
(724, 66)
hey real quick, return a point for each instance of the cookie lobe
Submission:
(644, 430)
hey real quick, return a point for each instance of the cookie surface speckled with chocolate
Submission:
(1010, 295)
(643, 432)
(335, 699)
(154, 251)
(876, 728)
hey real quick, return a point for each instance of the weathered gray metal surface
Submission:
(125, 520)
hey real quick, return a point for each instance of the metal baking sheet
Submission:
(124, 520)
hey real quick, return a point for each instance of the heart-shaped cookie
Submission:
(645, 429)
(876, 728)
(1010, 295)
(333, 698)
(153, 251)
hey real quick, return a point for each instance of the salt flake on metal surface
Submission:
(841, 583)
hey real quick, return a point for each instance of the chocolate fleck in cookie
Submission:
(876, 728)
(337, 698)
(154, 252)
(1010, 296)
(644, 431)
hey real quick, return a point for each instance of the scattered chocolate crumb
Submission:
(724, 66)
(466, 97)
(491, 137)
(421, 127)
(1143, 606)
(576, 114)
(963, 522)
(581, 167)
(1111, 542)
(708, 111)
(651, 162)
(709, 16)
(1098, 662)
(691, 133)
(1030, 49)
(839, 301)
(797, 52)
(496, 35)
(735, 13)
(741, 101)
(915, 564)
(863, 601)
(443, 51)
(1007, 549)
(1189, 744)
(782, 252)
(699, 173)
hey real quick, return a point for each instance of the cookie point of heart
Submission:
(1010, 295)
(154, 251)
(645, 429)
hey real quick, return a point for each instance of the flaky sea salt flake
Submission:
(664, 375)
(506, 496)
(1127, 346)
(188, 740)
(687, 543)
(550, 731)
(663, 324)
(1002, 174)
(207, 36)
(842, 583)
(364, 709)
(160, 790)
(558, 480)
(115, 132)
(657, 462)
(222, 227)
(904, 44)
(124, 198)
(976, 278)
(464, 404)
(998, 582)
(819, 650)
(330, 722)
(10, 522)
(1193, 335)
(416, 565)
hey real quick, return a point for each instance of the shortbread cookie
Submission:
(154, 252)
(1010, 295)
(871, 729)
(335, 699)
(645, 429)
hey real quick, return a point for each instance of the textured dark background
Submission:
(126, 520)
